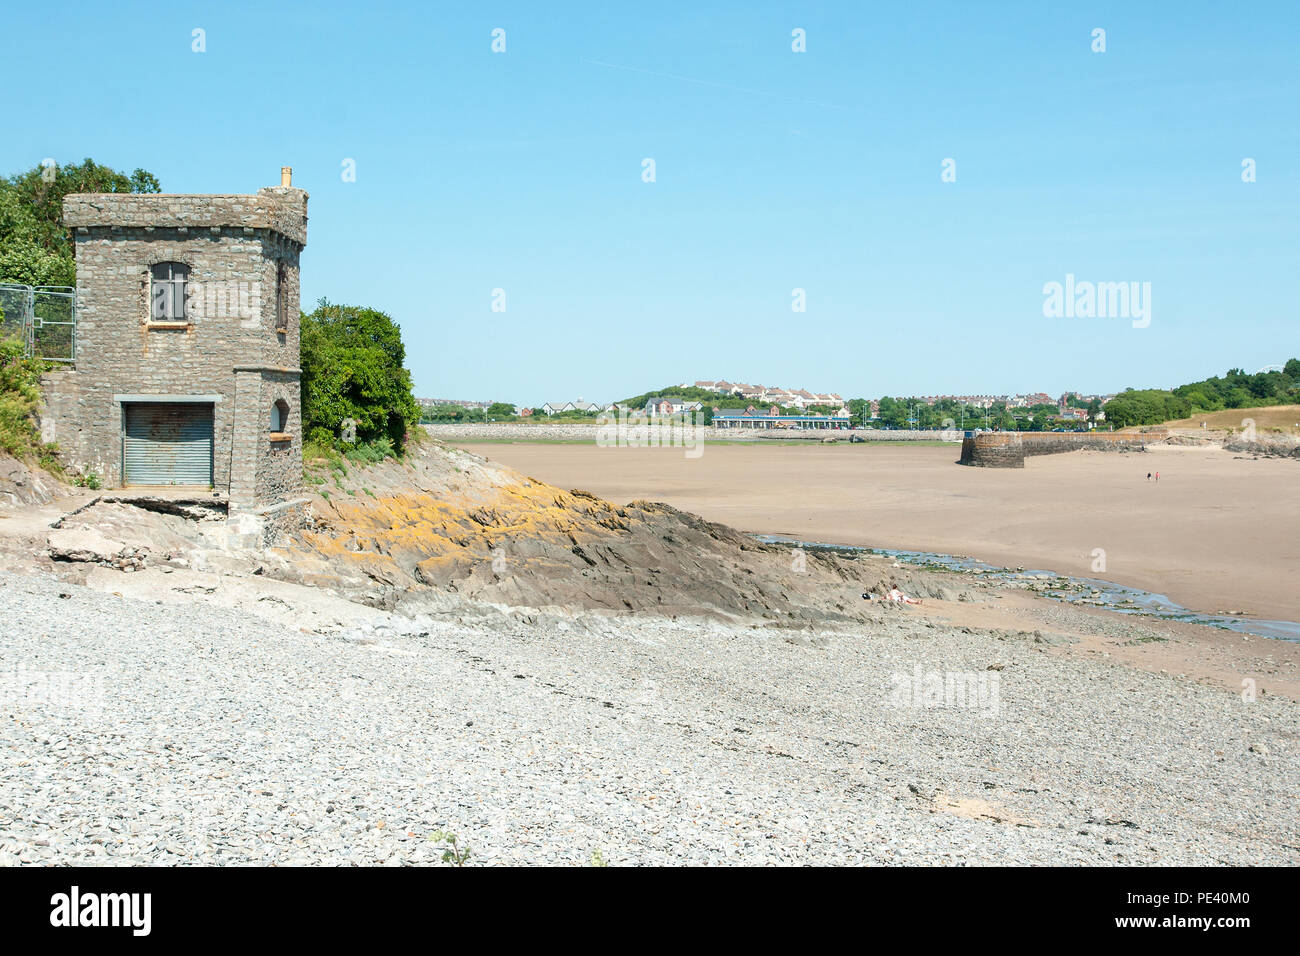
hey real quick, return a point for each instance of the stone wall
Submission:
(1009, 449)
(279, 466)
(575, 431)
(265, 466)
(242, 313)
(993, 450)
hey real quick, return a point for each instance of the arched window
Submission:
(167, 292)
(279, 415)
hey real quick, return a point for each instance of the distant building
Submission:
(785, 397)
(554, 408)
(656, 407)
(772, 418)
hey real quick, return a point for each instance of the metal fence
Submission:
(44, 317)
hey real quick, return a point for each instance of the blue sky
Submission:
(774, 170)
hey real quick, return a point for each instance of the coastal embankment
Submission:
(657, 435)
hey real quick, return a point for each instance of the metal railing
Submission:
(44, 317)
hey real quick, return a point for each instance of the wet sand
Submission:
(1218, 533)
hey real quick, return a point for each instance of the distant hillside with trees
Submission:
(692, 394)
(1235, 389)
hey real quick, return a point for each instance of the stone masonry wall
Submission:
(1053, 443)
(1009, 449)
(993, 450)
(279, 465)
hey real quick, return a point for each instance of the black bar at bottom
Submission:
(336, 906)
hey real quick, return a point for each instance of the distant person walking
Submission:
(1148, 476)
(1157, 477)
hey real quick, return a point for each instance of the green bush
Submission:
(370, 452)
(1145, 407)
(20, 396)
(353, 371)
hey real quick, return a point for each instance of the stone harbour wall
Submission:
(993, 450)
(1009, 449)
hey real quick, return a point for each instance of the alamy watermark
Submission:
(1098, 300)
(949, 690)
(232, 299)
(634, 429)
(76, 909)
(62, 690)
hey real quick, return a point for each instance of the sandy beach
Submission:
(1217, 533)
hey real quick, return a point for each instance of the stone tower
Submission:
(187, 364)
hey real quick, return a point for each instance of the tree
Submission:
(353, 368)
(34, 245)
(893, 413)
(500, 410)
(1238, 398)
(1146, 407)
(859, 410)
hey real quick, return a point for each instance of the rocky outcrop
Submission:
(126, 536)
(448, 521)
(444, 527)
(1276, 446)
(22, 484)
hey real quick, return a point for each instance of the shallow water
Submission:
(1073, 590)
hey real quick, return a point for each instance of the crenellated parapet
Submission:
(281, 210)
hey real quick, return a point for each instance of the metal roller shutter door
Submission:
(168, 443)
